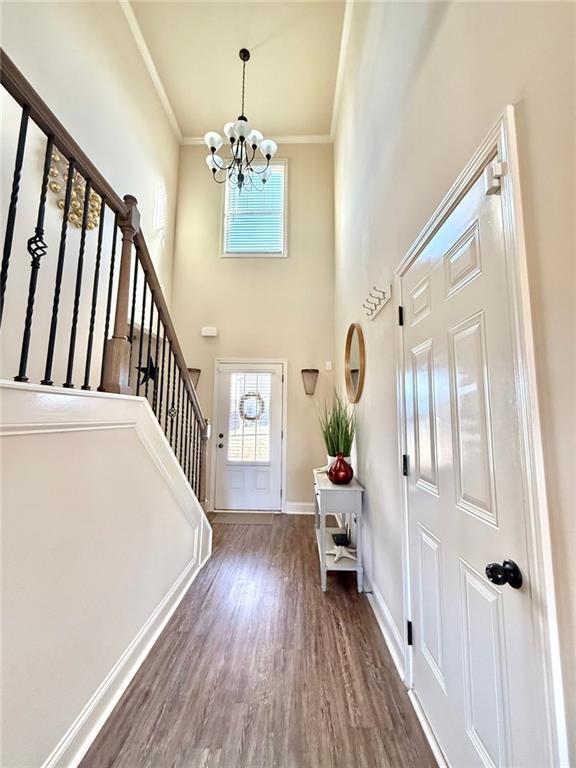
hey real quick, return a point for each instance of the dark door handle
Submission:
(220, 445)
(507, 573)
(220, 435)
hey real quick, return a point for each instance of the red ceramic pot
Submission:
(340, 472)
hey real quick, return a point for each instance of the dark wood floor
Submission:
(260, 669)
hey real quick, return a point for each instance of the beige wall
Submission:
(423, 84)
(263, 308)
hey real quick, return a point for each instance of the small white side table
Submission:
(345, 503)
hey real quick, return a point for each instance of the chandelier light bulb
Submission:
(268, 148)
(229, 130)
(254, 138)
(213, 141)
(214, 162)
(241, 129)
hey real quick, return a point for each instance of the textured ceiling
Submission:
(290, 78)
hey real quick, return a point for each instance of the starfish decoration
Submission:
(340, 552)
(148, 371)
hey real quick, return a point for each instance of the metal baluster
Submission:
(168, 391)
(177, 416)
(186, 436)
(181, 452)
(156, 362)
(86, 384)
(172, 408)
(70, 367)
(161, 395)
(59, 274)
(11, 219)
(109, 297)
(36, 248)
(191, 447)
(141, 344)
(148, 355)
(182, 425)
(202, 465)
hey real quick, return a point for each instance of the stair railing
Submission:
(142, 356)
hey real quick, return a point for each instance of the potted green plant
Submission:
(338, 425)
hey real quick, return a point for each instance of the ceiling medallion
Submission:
(241, 170)
(57, 184)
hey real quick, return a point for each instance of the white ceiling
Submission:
(191, 50)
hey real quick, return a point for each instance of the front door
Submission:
(249, 436)
(477, 668)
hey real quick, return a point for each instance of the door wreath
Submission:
(247, 400)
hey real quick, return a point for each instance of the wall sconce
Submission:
(195, 375)
(310, 377)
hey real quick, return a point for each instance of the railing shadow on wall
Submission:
(56, 318)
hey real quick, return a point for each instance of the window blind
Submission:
(254, 219)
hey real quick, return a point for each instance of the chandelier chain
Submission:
(243, 84)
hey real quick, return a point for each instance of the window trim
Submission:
(276, 161)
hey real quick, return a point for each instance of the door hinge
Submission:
(405, 465)
(282, 434)
(400, 315)
(492, 175)
(409, 632)
(282, 378)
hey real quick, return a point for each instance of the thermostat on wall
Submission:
(209, 330)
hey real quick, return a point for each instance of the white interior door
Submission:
(249, 437)
(477, 670)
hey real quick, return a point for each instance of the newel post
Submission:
(116, 371)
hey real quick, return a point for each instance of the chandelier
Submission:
(241, 169)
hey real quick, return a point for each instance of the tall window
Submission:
(254, 220)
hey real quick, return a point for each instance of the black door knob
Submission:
(220, 435)
(507, 573)
(220, 445)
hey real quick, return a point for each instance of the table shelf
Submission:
(344, 564)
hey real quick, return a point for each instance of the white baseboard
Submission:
(428, 732)
(395, 644)
(299, 507)
(75, 743)
(389, 629)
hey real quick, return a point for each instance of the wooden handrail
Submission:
(21, 90)
(161, 306)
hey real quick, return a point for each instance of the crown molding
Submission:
(342, 57)
(151, 67)
(311, 139)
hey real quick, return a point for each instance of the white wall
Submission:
(423, 84)
(82, 60)
(101, 536)
(263, 308)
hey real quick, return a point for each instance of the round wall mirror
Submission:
(354, 362)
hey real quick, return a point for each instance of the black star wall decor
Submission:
(148, 371)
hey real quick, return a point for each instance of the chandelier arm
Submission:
(263, 169)
(250, 161)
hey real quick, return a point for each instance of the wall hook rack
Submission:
(376, 299)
